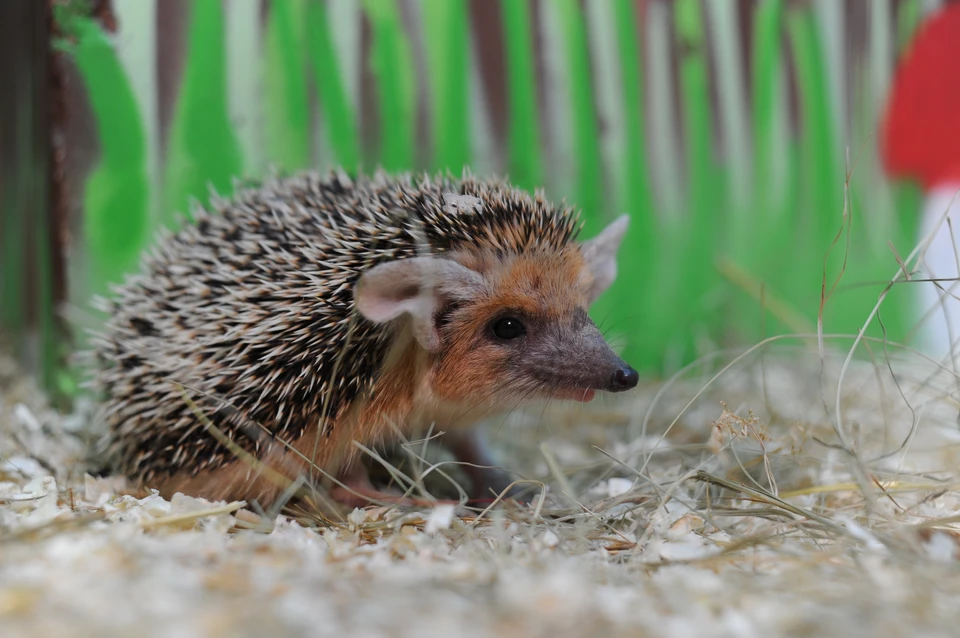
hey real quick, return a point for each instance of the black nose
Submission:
(625, 378)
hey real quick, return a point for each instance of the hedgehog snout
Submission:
(613, 374)
(624, 378)
(585, 360)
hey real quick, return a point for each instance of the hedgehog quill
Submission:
(315, 311)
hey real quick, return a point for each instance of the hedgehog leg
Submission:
(356, 490)
(487, 480)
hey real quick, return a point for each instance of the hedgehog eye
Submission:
(507, 328)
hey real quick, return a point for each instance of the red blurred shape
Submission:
(921, 136)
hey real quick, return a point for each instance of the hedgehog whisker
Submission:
(636, 316)
(604, 319)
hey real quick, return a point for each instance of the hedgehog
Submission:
(282, 326)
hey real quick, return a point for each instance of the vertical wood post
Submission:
(31, 257)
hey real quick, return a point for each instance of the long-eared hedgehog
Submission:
(313, 311)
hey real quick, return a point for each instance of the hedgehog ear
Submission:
(600, 257)
(415, 287)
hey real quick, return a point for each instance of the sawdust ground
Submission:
(722, 503)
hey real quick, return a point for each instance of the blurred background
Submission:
(742, 136)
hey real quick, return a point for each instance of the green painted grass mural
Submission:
(340, 122)
(116, 200)
(202, 152)
(523, 142)
(448, 60)
(765, 224)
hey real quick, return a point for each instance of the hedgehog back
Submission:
(249, 309)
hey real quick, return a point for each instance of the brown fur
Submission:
(538, 284)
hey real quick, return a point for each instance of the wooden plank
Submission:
(32, 278)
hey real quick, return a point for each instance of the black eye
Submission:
(508, 328)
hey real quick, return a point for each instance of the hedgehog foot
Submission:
(490, 482)
(357, 496)
(487, 480)
(357, 491)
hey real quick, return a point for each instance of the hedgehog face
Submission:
(505, 328)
